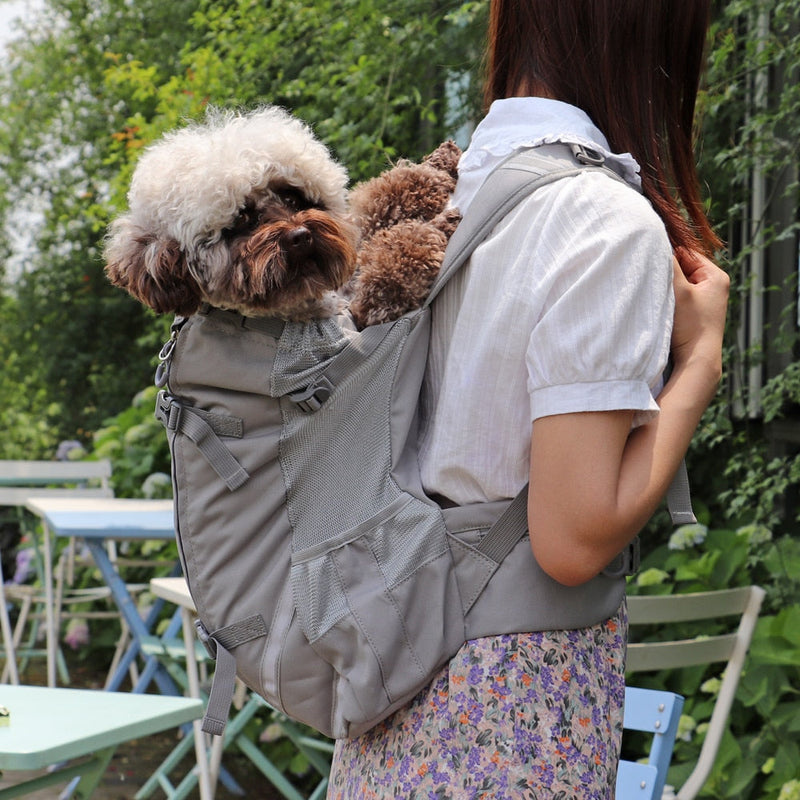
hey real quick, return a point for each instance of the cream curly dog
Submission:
(243, 211)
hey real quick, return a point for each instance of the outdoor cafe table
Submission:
(49, 726)
(96, 520)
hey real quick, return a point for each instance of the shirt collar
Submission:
(518, 122)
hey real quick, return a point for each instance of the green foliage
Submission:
(750, 114)
(95, 81)
(67, 328)
(136, 444)
(760, 753)
(370, 77)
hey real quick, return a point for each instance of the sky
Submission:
(10, 10)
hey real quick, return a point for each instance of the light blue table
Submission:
(81, 726)
(96, 520)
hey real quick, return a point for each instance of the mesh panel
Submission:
(324, 604)
(336, 461)
(406, 542)
(303, 351)
(374, 563)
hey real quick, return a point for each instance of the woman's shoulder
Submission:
(590, 211)
(595, 196)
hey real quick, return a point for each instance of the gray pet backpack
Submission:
(322, 574)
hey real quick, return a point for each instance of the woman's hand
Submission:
(701, 302)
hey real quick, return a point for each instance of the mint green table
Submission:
(80, 726)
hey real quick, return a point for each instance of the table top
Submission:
(106, 517)
(49, 725)
(173, 589)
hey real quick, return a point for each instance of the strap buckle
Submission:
(312, 398)
(587, 155)
(206, 639)
(626, 563)
(165, 355)
(169, 410)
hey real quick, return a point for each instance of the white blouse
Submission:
(566, 307)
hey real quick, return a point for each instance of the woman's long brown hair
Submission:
(634, 67)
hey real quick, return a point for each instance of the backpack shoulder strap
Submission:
(507, 185)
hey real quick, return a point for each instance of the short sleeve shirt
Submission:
(566, 307)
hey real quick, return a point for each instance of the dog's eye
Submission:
(245, 220)
(293, 199)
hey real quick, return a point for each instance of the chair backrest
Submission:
(658, 713)
(730, 648)
(20, 480)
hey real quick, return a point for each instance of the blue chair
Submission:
(735, 610)
(658, 713)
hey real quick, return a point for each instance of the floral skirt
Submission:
(535, 715)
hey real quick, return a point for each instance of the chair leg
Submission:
(91, 777)
(159, 777)
(268, 769)
(8, 636)
(88, 771)
(22, 618)
(122, 646)
(27, 617)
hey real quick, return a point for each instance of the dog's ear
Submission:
(152, 269)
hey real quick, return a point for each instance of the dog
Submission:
(405, 219)
(242, 211)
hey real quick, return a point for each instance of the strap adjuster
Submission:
(626, 563)
(169, 411)
(205, 638)
(312, 398)
(587, 155)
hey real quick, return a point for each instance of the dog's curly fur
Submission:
(241, 211)
(249, 212)
(406, 220)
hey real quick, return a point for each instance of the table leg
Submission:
(127, 608)
(208, 769)
(51, 632)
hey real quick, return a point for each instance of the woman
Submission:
(547, 356)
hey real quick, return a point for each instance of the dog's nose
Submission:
(299, 239)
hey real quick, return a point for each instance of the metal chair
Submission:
(658, 713)
(729, 648)
(20, 481)
(8, 635)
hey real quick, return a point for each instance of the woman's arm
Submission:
(594, 483)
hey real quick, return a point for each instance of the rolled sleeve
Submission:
(602, 338)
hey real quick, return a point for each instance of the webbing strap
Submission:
(507, 185)
(220, 697)
(513, 180)
(199, 428)
(231, 636)
(512, 525)
(219, 645)
(679, 498)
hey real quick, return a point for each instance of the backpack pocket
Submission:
(380, 604)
